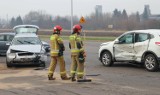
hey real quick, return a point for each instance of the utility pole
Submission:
(7, 24)
(71, 15)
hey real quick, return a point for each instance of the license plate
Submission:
(26, 59)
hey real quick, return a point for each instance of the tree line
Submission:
(118, 20)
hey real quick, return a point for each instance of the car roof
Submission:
(151, 31)
(7, 33)
(26, 35)
(18, 26)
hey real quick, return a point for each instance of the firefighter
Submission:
(77, 53)
(57, 48)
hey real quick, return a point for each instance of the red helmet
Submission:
(77, 27)
(57, 28)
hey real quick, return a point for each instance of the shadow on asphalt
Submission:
(129, 65)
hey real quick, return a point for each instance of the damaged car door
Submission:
(124, 48)
(141, 44)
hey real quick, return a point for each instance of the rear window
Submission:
(26, 30)
(26, 41)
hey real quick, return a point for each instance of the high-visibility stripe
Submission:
(73, 72)
(54, 51)
(80, 73)
(63, 72)
(50, 72)
(75, 50)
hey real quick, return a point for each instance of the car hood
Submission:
(27, 48)
(106, 43)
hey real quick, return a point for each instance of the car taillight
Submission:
(157, 43)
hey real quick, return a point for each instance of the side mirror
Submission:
(116, 42)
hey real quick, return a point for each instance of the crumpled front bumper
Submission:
(26, 58)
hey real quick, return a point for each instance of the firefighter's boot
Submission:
(65, 78)
(73, 79)
(50, 77)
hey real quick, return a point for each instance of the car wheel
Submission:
(8, 64)
(43, 64)
(150, 63)
(106, 59)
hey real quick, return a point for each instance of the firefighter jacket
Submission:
(57, 46)
(76, 44)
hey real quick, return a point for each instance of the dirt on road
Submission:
(3, 67)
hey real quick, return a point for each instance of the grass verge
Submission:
(45, 37)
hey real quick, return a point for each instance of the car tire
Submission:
(151, 63)
(43, 64)
(106, 59)
(8, 64)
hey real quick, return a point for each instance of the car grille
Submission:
(25, 54)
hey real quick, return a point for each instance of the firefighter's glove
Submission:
(81, 57)
(62, 48)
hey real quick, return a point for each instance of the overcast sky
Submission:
(81, 7)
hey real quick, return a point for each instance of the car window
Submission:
(141, 37)
(9, 37)
(2, 38)
(26, 41)
(126, 39)
(26, 30)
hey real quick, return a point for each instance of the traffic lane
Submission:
(123, 75)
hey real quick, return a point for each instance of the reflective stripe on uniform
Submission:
(75, 50)
(54, 51)
(50, 72)
(72, 72)
(80, 73)
(63, 72)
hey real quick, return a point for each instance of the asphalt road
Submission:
(120, 79)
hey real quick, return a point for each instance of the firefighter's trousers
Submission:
(54, 61)
(76, 67)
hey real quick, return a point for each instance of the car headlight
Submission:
(11, 55)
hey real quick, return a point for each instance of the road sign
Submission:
(82, 20)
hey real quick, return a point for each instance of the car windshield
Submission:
(26, 41)
(26, 30)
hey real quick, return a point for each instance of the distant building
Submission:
(98, 10)
(148, 9)
(155, 17)
(149, 15)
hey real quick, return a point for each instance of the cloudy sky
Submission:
(81, 7)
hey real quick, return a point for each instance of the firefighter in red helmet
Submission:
(77, 53)
(57, 48)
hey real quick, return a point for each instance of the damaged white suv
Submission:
(140, 46)
(26, 48)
